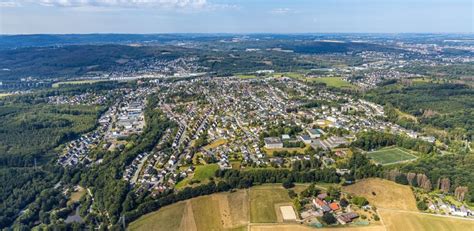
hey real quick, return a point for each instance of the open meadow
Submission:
(221, 211)
(406, 221)
(384, 193)
(396, 206)
(58, 84)
(336, 82)
(263, 203)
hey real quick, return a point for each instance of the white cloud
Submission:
(124, 3)
(281, 11)
(9, 4)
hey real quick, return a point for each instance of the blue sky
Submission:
(235, 16)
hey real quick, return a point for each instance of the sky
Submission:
(236, 16)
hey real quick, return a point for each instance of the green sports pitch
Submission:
(393, 155)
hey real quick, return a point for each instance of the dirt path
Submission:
(188, 222)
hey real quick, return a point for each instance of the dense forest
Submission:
(374, 140)
(458, 168)
(447, 107)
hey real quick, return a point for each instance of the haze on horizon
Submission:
(236, 16)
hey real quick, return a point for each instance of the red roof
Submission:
(320, 202)
(334, 206)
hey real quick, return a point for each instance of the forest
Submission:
(374, 140)
(446, 107)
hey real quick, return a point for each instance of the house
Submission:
(273, 142)
(306, 139)
(321, 205)
(347, 217)
(285, 137)
(334, 206)
(321, 196)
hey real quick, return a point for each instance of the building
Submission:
(273, 142)
(313, 133)
(306, 139)
(321, 205)
(347, 217)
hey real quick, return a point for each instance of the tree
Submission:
(359, 201)
(421, 205)
(292, 194)
(344, 203)
(329, 219)
(334, 192)
(287, 183)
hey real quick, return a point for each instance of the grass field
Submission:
(296, 227)
(76, 196)
(336, 82)
(216, 144)
(270, 151)
(263, 200)
(256, 209)
(58, 84)
(406, 221)
(221, 211)
(388, 194)
(203, 172)
(167, 218)
(392, 155)
(4, 95)
(246, 76)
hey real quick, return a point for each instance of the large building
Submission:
(273, 142)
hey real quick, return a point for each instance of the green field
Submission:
(391, 155)
(337, 82)
(263, 200)
(58, 84)
(167, 218)
(220, 211)
(204, 172)
(4, 95)
(246, 76)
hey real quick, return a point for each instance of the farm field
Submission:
(167, 218)
(263, 201)
(222, 211)
(407, 221)
(297, 227)
(388, 194)
(256, 209)
(392, 155)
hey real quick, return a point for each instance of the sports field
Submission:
(392, 155)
